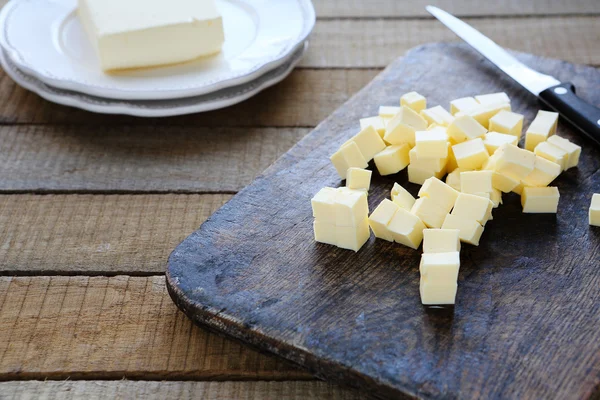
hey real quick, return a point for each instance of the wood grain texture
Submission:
(525, 323)
(96, 234)
(112, 328)
(98, 390)
(459, 8)
(138, 158)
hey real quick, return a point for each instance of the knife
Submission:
(559, 96)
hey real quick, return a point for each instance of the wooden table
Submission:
(91, 206)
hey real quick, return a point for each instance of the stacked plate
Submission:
(45, 50)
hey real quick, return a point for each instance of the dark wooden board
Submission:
(528, 307)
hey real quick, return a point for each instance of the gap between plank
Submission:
(148, 376)
(96, 274)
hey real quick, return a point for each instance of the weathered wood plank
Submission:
(98, 390)
(460, 8)
(146, 158)
(109, 328)
(97, 234)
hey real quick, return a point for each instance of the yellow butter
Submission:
(392, 159)
(358, 178)
(413, 100)
(594, 211)
(470, 155)
(441, 240)
(470, 230)
(540, 199)
(402, 197)
(402, 127)
(406, 229)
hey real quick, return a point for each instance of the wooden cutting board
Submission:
(527, 319)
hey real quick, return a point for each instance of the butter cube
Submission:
(351, 207)
(440, 268)
(544, 172)
(437, 115)
(519, 188)
(465, 128)
(463, 104)
(494, 140)
(440, 193)
(323, 205)
(552, 153)
(476, 181)
(484, 112)
(594, 212)
(430, 164)
(514, 162)
(325, 232)
(437, 294)
(419, 176)
(402, 197)
(441, 240)
(431, 144)
(496, 198)
(451, 163)
(507, 122)
(473, 207)
(453, 179)
(358, 178)
(430, 212)
(353, 237)
(401, 129)
(413, 100)
(376, 122)
(540, 199)
(573, 151)
(493, 98)
(346, 157)
(381, 217)
(541, 128)
(471, 154)
(392, 159)
(406, 228)
(388, 111)
(470, 231)
(369, 142)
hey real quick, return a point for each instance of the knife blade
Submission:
(559, 96)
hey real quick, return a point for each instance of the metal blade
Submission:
(530, 79)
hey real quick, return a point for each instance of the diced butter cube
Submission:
(441, 240)
(507, 122)
(388, 111)
(473, 207)
(440, 268)
(376, 122)
(401, 129)
(541, 128)
(552, 153)
(485, 195)
(440, 193)
(431, 164)
(325, 232)
(453, 179)
(413, 100)
(351, 207)
(352, 237)
(540, 199)
(470, 231)
(519, 188)
(358, 178)
(496, 198)
(381, 217)
(392, 159)
(465, 128)
(437, 294)
(369, 142)
(493, 98)
(346, 157)
(476, 181)
(323, 205)
(514, 162)
(544, 172)
(463, 104)
(406, 228)
(430, 212)
(402, 197)
(494, 140)
(437, 115)
(484, 112)
(431, 144)
(419, 176)
(594, 212)
(573, 151)
(471, 154)
(451, 163)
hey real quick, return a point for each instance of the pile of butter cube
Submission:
(475, 146)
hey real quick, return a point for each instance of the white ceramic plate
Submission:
(45, 39)
(152, 108)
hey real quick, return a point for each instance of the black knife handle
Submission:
(578, 112)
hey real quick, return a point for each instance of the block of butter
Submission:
(146, 33)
